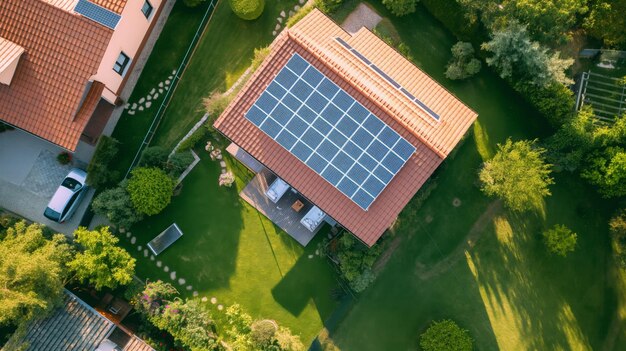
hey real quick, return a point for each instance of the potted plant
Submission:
(64, 158)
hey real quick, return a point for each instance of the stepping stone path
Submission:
(159, 264)
(311, 256)
(145, 253)
(133, 240)
(195, 294)
(139, 248)
(301, 2)
(128, 234)
(204, 299)
(214, 300)
(166, 269)
(151, 257)
(173, 275)
(189, 287)
(181, 281)
(145, 102)
(220, 307)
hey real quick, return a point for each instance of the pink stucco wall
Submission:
(127, 37)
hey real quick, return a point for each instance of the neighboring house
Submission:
(346, 121)
(64, 63)
(77, 326)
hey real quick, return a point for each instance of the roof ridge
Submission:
(327, 59)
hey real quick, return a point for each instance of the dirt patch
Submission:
(362, 16)
(425, 272)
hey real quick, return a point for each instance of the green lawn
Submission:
(231, 252)
(479, 264)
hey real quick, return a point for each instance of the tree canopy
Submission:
(560, 240)
(607, 21)
(400, 7)
(446, 335)
(517, 174)
(116, 206)
(247, 9)
(463, 64)
(606, 169)
(32, 272)
(101, 262)
(517, 57)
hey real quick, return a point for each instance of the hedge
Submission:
(247, 9)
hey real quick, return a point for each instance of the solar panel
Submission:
(97, 13)
(391, 81)
(329, 131)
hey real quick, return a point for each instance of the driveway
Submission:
(30, 174)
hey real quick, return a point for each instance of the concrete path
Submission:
(362, 16)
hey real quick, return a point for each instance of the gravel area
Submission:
(362, 16)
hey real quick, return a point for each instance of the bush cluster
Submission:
(247, 9)
(446, 335)
(99, 171)
(150, 190)
(463, 63)
(400, 7)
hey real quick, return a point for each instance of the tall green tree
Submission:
(400, 7)
(606, 169)
(32, 272)
(516, 57)
(518, 174)
(607, 21)
(101, 262)
(150, 190)
(446, 335)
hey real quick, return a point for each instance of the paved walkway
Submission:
(362, 16)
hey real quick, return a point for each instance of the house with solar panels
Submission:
(340, 128)
(65, 64)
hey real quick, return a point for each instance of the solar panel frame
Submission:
(330, 131)
(97, 13)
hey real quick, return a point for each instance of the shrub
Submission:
(193, 3)
(262, 332)
(193, 139)
(617, 226)
(355, 260)
(150, 190)
(327, 6)
(116, 206)
(400, 7)
(560, 240)
(247, 9)
(216, 103)
(226, 179)
(446, 335)
(99, 172)
(154, 156)
(555, 101)
(463, 64)
(177, 164)
(64, 158)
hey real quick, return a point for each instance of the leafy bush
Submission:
(153, 156)
(355, 260)
(150, 190)
(99, 172)
(247, 9)
(446, 335)
(554, 101)
(617, 226)
(560, 240)
(463, 64)
(64, 158)
(262, 332)
(327, 6)
(216, 103)
(116, 206)
(177, 164)
(193, 139)
(400, 7)
(193, 3)
(606, 169)
(300, 14)
(101, 262)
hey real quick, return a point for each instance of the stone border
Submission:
(193, 129)
(196, 159)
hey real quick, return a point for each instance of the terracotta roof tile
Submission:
(62, 52)
(114, 5)
(313, 38)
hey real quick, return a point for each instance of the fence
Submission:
(179, 72)
(606, 95)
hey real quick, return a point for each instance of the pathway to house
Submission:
(362, 16)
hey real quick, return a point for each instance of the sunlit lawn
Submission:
(480, 265)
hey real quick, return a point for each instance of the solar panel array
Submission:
(388, 79)
(331, 132)
(97, 13)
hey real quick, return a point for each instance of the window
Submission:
(147, 9)
(121, 64)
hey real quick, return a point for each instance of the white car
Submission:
(68, 196)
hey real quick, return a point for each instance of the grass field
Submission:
(479, 264)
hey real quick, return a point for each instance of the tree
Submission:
(32, 272)
(400, 7)
(463, 64)
(560, 240)
(606, 169)
(617, 227)
(516, 57)
(606, 21)
(150, 190)
(446, 335)
(548, 20)
(116, 206)
(153, 156)
(101, 262)
(262, 333)
(247, 9)
(328, 6)
(518, 174)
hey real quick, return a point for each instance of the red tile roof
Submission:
(314, 39)
(114, 5)
(62, 52)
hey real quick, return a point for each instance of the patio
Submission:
(287, 212)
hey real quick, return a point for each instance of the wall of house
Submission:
(127, 37)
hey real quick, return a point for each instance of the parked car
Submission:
(68, 196)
